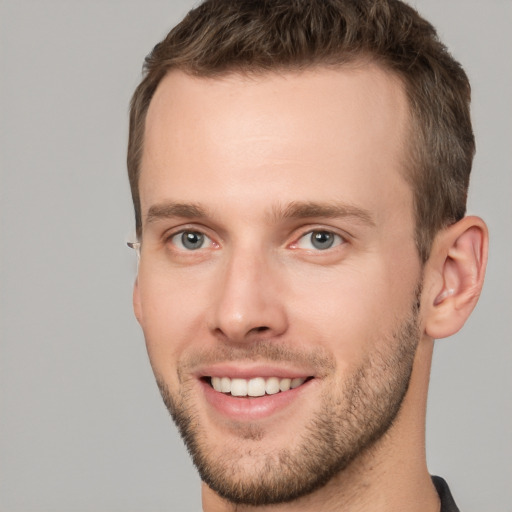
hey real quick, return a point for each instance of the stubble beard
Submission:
(348, 423)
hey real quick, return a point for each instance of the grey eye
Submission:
(189, 240)
(319, 240)
(322, 239)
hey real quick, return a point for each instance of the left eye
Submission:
(319, 240)
(190, 240)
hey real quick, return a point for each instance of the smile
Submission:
(253, 394)
(254, 387)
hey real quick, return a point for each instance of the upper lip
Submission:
(239, 371)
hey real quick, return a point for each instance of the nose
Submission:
(249, 301)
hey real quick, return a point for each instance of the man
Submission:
(299, 172)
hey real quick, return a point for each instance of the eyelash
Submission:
(190, 232)
(337, 240)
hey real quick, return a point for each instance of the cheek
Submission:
(352, 309)
(171, 315)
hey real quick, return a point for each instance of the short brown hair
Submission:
(222, 36)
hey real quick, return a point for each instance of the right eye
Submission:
(191, 240)
(320, 240)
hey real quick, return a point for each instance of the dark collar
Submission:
(447, 503)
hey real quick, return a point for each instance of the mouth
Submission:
(254, 387)
(247, 392)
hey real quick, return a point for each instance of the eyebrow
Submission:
(170, 210)
(293, 210)
(330, 210)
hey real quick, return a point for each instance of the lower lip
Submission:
(251, 408)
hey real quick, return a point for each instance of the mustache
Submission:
(318, 358)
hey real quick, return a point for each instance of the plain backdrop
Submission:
(82, 426)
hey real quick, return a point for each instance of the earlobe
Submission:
(456, 272)
(137, 309)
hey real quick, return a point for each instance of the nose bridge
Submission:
(248, 300)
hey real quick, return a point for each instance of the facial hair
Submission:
(352, 416)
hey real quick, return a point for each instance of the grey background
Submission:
(82, 427)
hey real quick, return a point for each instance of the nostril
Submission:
(260, 329)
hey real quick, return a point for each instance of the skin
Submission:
(246, 150)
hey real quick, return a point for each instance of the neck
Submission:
(390, 477)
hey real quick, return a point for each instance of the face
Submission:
(278, 278)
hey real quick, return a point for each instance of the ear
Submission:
(454, 276)
(137, 309)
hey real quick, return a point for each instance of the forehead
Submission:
(298, 133)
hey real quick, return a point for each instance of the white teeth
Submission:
(238, 387)
(257, 386)
(225, 385)
(284, 384)
(272, 386)
(216, 383)
(296, 383)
